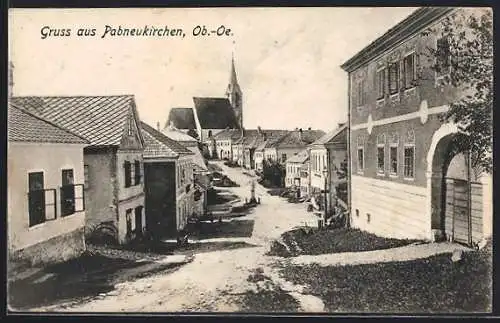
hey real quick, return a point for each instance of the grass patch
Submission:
(311, 241)
(432, 285)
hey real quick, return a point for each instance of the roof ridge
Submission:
(49, 122)
(164, 139)
(75, 96)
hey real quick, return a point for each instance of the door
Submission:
(36, 198)
(160, 187)
(138, 221)
(457, 210)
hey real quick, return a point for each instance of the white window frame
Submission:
(409, 143)
(398, 78)
(394, 144)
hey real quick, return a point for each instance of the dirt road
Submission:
(214, 281)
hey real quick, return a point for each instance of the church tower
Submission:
(235, 95)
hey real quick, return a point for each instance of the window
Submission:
(409, 155)
(138, 220)
(443, 57)
(127, 171)
(137, 172)
(86, 176)
(409, 70)
(394, 160)
(360, 159)
(381, 154)
(36, 198)
(409, 158)
(380, 83)
(380, 159)
(393, 78)
(361, 93)
(283, 158)
(67, 193)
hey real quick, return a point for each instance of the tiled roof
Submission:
(99, 119)
(215, 113)
(337, 135)
(175, 134)
(299, 138)
(232, 134)
(181, 118)
(159, 145)
(301, 157)
(26, 127)
(198, 160)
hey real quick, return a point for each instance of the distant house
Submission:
(293, 168)
(200, 169)
(405, 183)
(169, 183)
(327, 155)
(291, 144)
(305, 178)
(224, 142)
(45, 191)
(113, 165)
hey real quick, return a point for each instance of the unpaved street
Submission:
(215, 281)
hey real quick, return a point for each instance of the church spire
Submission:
(234, 94)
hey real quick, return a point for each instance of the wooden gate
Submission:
(463, 224)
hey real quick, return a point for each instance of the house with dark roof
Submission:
(46, 197)
(113, 164)
(169, 183)
(328, 158)
(403, 176)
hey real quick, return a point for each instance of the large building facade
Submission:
(398, 145)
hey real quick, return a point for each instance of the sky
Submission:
(287, 59)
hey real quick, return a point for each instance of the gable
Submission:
(131, 138)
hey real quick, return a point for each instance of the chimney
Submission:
(309, 128)
(11, 80)
(158, 125)
(300, 134)
(341, 124)
(259, 130)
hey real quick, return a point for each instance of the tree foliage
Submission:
(273, 172)
(468, 57)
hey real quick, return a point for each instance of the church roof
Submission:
(181, 118)
(215, 113)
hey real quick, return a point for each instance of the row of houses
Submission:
(83, 165)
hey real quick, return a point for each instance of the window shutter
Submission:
(127, 170)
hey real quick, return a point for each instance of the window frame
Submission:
(411, 84)
(409, 146)
(127, 169)
(391, 172)
(398, 77)
(381, 71)
(86, 176)
(137, 172)
(65, 212)
(360, 93)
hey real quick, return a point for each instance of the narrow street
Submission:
(215, 281)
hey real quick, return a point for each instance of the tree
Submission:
(466, 51)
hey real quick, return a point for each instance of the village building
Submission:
(293, 167)
(200, 169)
(224, 143)
(113, 164)
(46, 192)
(291, 144)
(305, 178)
(404, 182)
(327, 156)
(169, 183)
